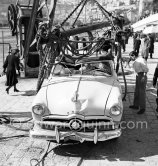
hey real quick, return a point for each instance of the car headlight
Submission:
(115, 110)
(38, 109)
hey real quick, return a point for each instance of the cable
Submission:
(15, 136)
(25, 121)
(8, 122)
(43, 157)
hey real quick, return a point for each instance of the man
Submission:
(145, 47)
(137, 44)
(154, 85)
(141, 69)
(134, 39)
(151, 46)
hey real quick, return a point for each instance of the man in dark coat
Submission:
(137, 44)
(12, 64)
(151, 46)
(134, 39)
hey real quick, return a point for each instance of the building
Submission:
(145, 8)
(155, 6)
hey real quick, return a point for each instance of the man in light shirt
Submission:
(141, 69)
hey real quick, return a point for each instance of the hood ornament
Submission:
(79, 104)
(75, 97)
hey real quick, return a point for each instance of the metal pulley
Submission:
(12, 18)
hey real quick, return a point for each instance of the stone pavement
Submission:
(137, 145)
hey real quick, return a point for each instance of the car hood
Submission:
(85, 96)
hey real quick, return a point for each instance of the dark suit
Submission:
(11, 64)
(151, 46)
(137, 45)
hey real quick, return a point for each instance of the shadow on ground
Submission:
(29, 93)
(25, 93)
(124, 149)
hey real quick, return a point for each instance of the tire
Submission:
(12, 18)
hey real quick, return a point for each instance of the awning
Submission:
(151, 29)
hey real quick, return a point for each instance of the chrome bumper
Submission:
(58, 136)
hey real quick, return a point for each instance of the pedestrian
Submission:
(76, 44)
(141, 69)
(12, 64)
(134, 39)
(154, 84)
(84, 45)
(151, 46)
(123, 43)
(137, 44)
(145, 47)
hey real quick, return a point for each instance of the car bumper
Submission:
(73, 135)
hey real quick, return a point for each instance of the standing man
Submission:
(134, 39)
(145, 48)
(154, 85)
(151, 46)
(137, 44)
(141, 69)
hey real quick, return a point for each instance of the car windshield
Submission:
(93, 68)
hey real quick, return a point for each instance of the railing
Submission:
(9, 48)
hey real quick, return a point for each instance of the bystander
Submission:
(145, 47)
(137, 44)
(12, 64)
(151, 46)
(141, 69)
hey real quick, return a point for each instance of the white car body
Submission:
(82, 107)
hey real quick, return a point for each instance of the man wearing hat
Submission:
(11, 64)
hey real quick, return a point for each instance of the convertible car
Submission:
(80, 102)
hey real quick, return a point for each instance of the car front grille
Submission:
(77, 125)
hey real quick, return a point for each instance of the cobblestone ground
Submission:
(136, 147)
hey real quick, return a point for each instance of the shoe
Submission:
(134, 107)
(141, 111)
(7, 90)
(16, 90)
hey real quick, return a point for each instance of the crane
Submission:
(41, 42)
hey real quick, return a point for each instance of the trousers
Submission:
(140, 91)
